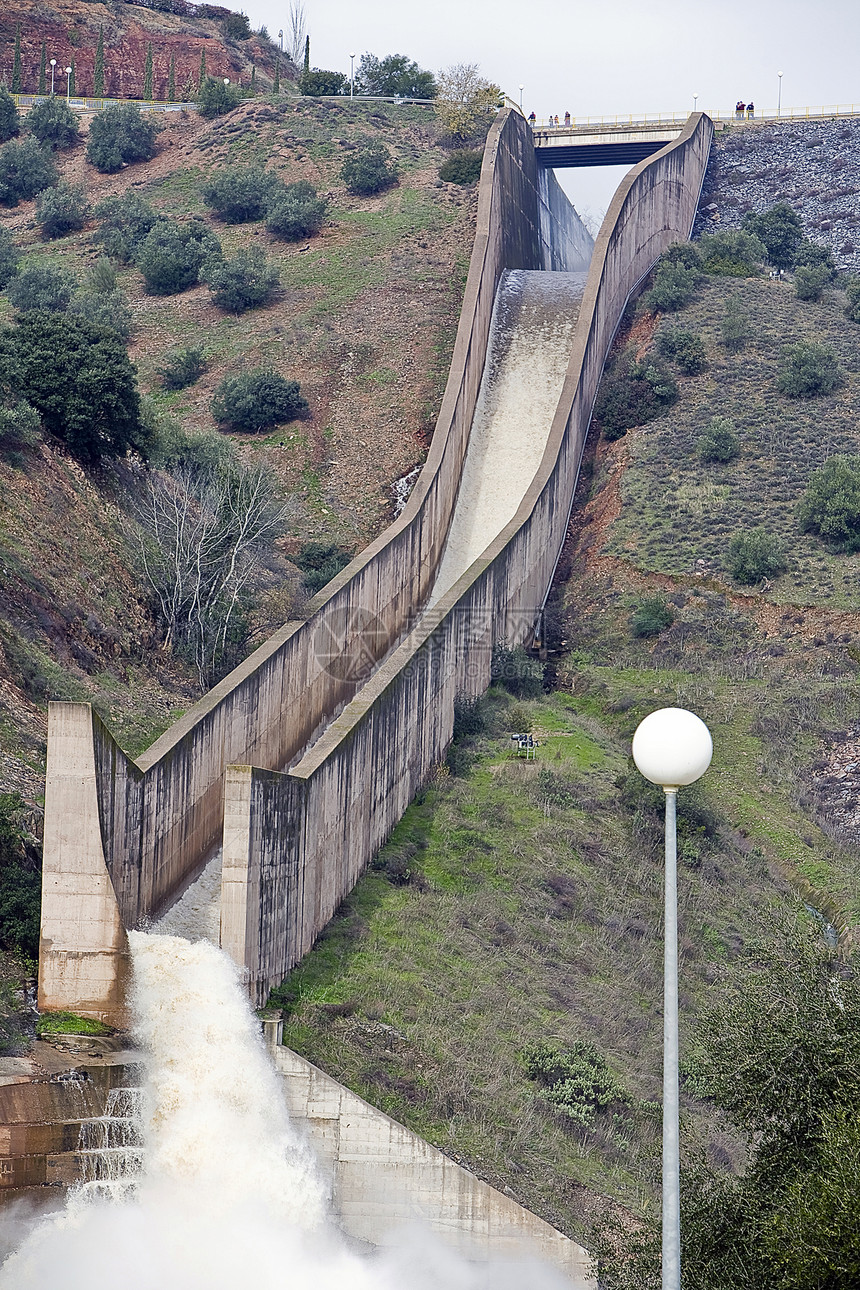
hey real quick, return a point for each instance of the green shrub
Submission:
(576, 1080)
(181, 368)
(120, 136)
(369, 170)
(718, 441)
(239, 194)
(171, 256)
(687, 349)
(812, 255)
(462, 167)
(516, 672)
(317, 82)
(734, 325)
(319, 563)
(10, 120)
(9, 257)
(732, 253)
(104, 308)
(779, 230)
(20, 880)
(807, 370)
(62, 209)
(810, 281)
(257, 400)
(41, 287)
(124, 223)
(830, 506)
(673, 287)
(852, 291)
(245, 282)
(79, 378)
(214, 98)
(54, 123)
(637, 391)
(651, 616)
(26, 168)
(296, 212)
(755, 555)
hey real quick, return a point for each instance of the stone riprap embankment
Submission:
(814, 166)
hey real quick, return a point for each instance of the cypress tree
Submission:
(99, 70)
(42, 63)
(16, 62)
(307, 67)
(253, 79)
(72, 89)
(276, 88)
(202, 77)
(147, 72)
(171, 79)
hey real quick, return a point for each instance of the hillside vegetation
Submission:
(495, 982)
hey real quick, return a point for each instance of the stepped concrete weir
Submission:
(299, 763)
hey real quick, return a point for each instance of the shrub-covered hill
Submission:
(495, 981)
(364, 318)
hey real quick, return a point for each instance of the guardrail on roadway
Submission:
(80, 103)
(656, 119)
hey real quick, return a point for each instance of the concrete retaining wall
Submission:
(295, 843)
(566, 244)
(162, 815)
(383, 1178)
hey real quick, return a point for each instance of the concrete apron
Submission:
(381, 1176)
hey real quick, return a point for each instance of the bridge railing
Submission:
(650, 119)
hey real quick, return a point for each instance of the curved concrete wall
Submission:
(154, 821)
(295, 843)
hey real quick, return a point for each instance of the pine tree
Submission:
(42, 63)
(276, 88)
(16, 62)
(72, 89)
(202, 77)
(171, 79)
(307, 66)
(99, 70)
(147, 72)
(253, 79)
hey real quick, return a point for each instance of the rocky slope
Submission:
(70, 31)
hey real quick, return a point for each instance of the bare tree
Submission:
(466, 101)
(297, 25)
(203, 537)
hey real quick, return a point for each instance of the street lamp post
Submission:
(671, 747)
(68, 83)
(695, 101)
(352, 76)
(53, 65)
(779, 97)
(522, 87)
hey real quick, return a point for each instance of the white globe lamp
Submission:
(672, 747)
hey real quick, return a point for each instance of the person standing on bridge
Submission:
(750, 111)
(567, 118)
(532, 119)
(739, 110)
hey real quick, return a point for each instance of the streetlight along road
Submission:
(671, 747)
(53, 65)
(68, 83)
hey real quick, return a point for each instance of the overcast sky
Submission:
(608, 57)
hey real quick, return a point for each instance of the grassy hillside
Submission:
(520, 903)
(364, 318)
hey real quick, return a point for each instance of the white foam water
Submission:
(224, 1193)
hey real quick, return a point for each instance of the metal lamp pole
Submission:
(68, 83)
(779, 97)
(671, 747)
(352, 76)
(695, 101)
(522, 87)
(53, 65)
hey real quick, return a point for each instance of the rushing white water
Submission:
(531, 335)
(196, 915)
(228, 1197)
